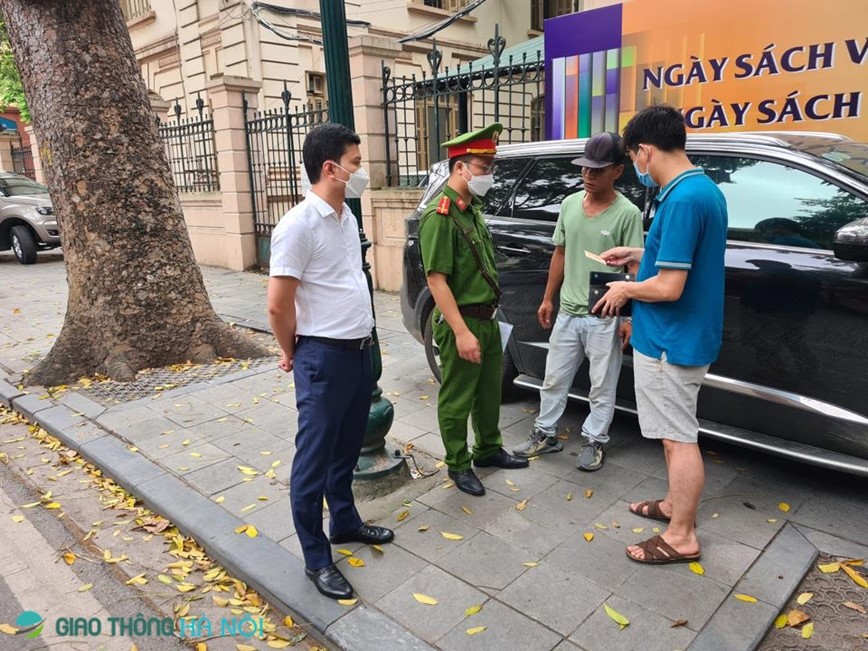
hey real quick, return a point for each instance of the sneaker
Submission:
(590, 456)
(538, 443)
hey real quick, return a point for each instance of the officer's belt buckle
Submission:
(367, 342)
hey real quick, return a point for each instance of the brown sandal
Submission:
(658, 552)
(654, 511)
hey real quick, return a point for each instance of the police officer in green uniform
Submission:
(459, 262)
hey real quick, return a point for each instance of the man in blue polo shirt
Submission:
(677, 319)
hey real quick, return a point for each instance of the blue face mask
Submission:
(644, 177)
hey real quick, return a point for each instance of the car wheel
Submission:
(23, 244)
(508, 370)
(432, 353)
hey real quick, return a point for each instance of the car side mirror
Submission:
(851, 241)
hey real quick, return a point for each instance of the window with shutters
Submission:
(316, 91)
(428, 120)
(542, 9)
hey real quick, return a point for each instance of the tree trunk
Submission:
(136, 295)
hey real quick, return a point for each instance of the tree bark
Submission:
(136, 295)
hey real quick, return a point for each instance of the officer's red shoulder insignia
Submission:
(444, 205)
(462, 205)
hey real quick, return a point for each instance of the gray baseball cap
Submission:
(601, 150)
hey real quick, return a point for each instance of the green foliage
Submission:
(11, 90)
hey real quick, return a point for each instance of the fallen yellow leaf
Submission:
(85, 587)
(783, 506)
(853, 561)
(377, 548)
(162, 578)
(348, 602)
(796, 617)
(8, 630)
(588, 537)
(772, 520)
(808, 630)
(475, 630)
(531, 564)
(828, 568)
(697, 568)
(424, 527)
(52, 505)
(424, 599)
(251, 531)
(745, 597)
(185, 587)
(856, 607)
(451, 536)
(279, 644)
(569, 497)
(781, 620)
(601, 527)
(615, 616)
(679, 622)
(638, 529)
(137, 580)
(287, 621)
(402, 516)
(244, 647)
(521, 506)
(17, 518)
(356, 562)
(853, 574)
(472, 610)
(804, 598)
(509, 482)
(467, 510)
(344, 552)
(588, 493)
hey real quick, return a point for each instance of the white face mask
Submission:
(356, 184)
(480, 185)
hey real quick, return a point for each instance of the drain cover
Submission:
(836, 626)
(151, 382)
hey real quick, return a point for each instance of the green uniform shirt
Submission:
(445, 250)
(619, 225)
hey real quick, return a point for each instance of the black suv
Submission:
(792, 376)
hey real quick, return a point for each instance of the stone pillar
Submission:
(159, 106)
(367, 56)
(230, 141)
(38, 172)
(7, 142)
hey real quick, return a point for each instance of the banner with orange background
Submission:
(729, 66)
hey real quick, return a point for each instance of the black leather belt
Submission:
(347, 344)
(481, 312)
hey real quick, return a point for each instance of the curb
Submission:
(270, 569)
(772, 579)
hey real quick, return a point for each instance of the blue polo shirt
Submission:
(688, 232)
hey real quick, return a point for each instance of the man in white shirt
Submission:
(321, 314)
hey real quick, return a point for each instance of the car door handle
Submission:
(511, 249)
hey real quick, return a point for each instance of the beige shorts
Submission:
(666, 396)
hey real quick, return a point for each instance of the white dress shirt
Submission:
(322, 250)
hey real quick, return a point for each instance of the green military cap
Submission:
(482, 142)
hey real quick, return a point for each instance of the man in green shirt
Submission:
(591, 221)
(458, 257)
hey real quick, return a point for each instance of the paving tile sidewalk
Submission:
(521, 556)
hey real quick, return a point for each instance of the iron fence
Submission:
(22, 161)
(189, 145)
(274, 142)
(421, 113)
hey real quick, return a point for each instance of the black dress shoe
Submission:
(330, 582)
(501, 459)
(367, 534)
(467, 481)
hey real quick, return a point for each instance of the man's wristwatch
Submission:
(628, 319)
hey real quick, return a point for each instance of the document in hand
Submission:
(599, 286)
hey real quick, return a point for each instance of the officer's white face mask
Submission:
(479, 185)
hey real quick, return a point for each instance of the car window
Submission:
(772, 203)
(505, 175)
(544, 187)
(14, 186)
